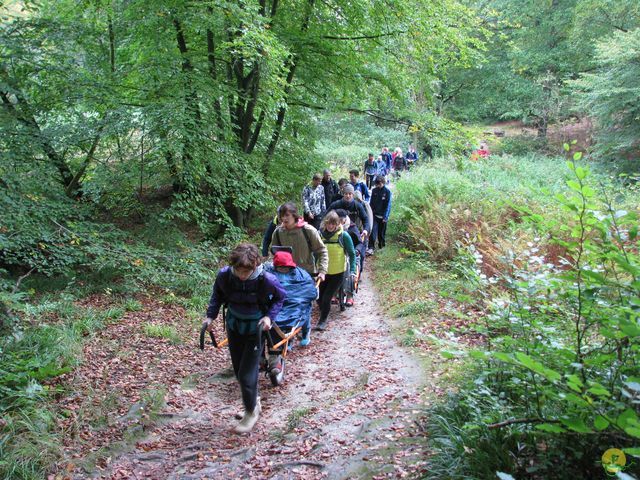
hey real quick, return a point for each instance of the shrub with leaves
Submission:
(563, 339)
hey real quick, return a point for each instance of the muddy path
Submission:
(347, 409)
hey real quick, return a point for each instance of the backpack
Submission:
(260, 291)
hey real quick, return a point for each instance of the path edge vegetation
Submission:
(538, 378)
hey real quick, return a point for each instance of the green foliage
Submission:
(32, 236)
(450, 203)
(28, 444)
(441, 136)
(610, 95)
(562, 341)
(345, 141)
(168, 332)
(45, 345)
(116, 102)
(522, 145)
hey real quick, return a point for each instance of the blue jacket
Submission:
(363, 189)
(301, 292)
(370, 168)
(386, 156)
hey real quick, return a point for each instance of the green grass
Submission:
(167, 332)
(297, 416)
(131, 305)
(417, 308)
(49, 345)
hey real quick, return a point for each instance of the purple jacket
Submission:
(242, 297)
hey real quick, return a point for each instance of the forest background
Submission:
(139, 140)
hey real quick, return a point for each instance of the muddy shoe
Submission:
(249, 420)
(275, 364)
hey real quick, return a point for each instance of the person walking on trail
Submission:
(340, 247)
(358, 186)
(268, 233)
(386, 157)
(355, 210)
(254, 298)
(370, 170)
(357, 196)
(340, 193)
(483, 151)
(382, 166)
(412, 157)
(309, 252)
(399, 162)
(381, 207)
(314, 201)
(359, 246)
(330, 186)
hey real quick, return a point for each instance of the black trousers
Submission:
(245, 353)
(378, 233)
(328, 289)
(370, 179)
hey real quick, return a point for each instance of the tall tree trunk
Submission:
(211, 56)
(27, 119)
(191, 105)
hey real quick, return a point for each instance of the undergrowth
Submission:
(47, 316)
(548, 253)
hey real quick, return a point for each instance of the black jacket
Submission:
(330, 190)
(380, 202)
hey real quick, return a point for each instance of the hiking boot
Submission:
(306, 338)
(322, 326)
(349, 302)
(249, 420)
(275, 364)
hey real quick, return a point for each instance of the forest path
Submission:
(347, 409)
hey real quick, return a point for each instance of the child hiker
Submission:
(254, 298)
(340, 248)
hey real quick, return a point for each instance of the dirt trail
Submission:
(347, 409)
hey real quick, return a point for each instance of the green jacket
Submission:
(302, 255)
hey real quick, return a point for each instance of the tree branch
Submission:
(362, 37)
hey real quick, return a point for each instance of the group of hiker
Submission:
(323, 245)
(389, 162)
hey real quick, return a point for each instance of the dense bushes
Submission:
(54, 252)
(559, 370)
(449, 204)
